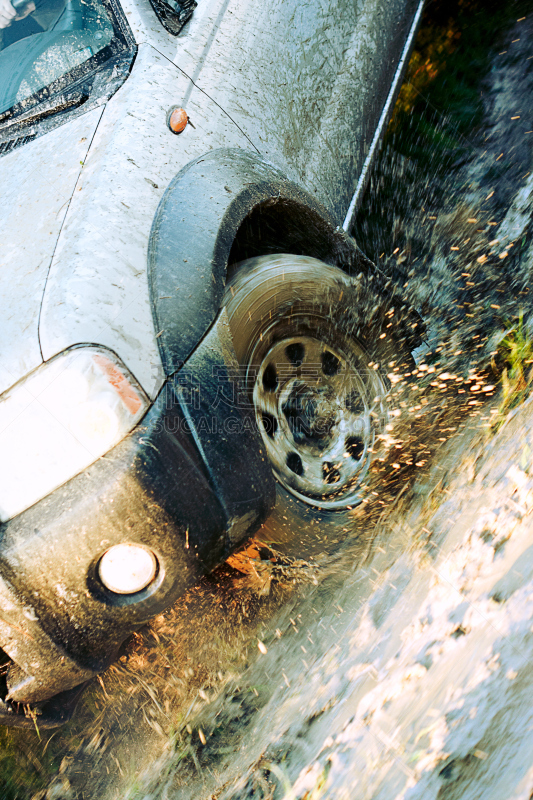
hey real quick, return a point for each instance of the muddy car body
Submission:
(119, 424)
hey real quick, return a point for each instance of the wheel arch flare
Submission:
(224, 207)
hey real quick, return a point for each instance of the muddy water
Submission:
(394, 661)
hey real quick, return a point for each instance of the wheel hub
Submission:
(310, 412)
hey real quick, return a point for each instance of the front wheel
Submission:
(314, 354)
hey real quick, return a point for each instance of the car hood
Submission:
(37, 182)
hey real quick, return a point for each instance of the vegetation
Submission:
(515, 359)
(435, 128)
(24, 768)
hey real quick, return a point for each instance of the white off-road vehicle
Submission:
(185, 323)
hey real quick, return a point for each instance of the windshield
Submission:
(45, 45)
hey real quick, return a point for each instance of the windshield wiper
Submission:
(43, 111)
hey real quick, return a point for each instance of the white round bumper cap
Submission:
(127, 568)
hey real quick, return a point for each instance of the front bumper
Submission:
(190, 483)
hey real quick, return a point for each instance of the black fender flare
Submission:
(193, 232)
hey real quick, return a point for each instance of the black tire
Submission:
(315, 347)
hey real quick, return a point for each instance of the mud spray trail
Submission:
(385, 652)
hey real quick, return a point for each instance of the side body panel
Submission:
(306, 82)
(34, 198)
(97, 289)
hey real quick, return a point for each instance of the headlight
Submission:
(61, 418)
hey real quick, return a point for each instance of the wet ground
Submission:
(393, 662)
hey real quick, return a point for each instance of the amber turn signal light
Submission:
(177, 119)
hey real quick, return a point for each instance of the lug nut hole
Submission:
(270, 378)
(355, 447)
(295, 352)
(330, 363)
(330, 473)
(294, 463)
(270, 424)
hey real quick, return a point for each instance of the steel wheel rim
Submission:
(320, 404)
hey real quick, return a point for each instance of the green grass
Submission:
(515, 360)
(24, 767)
